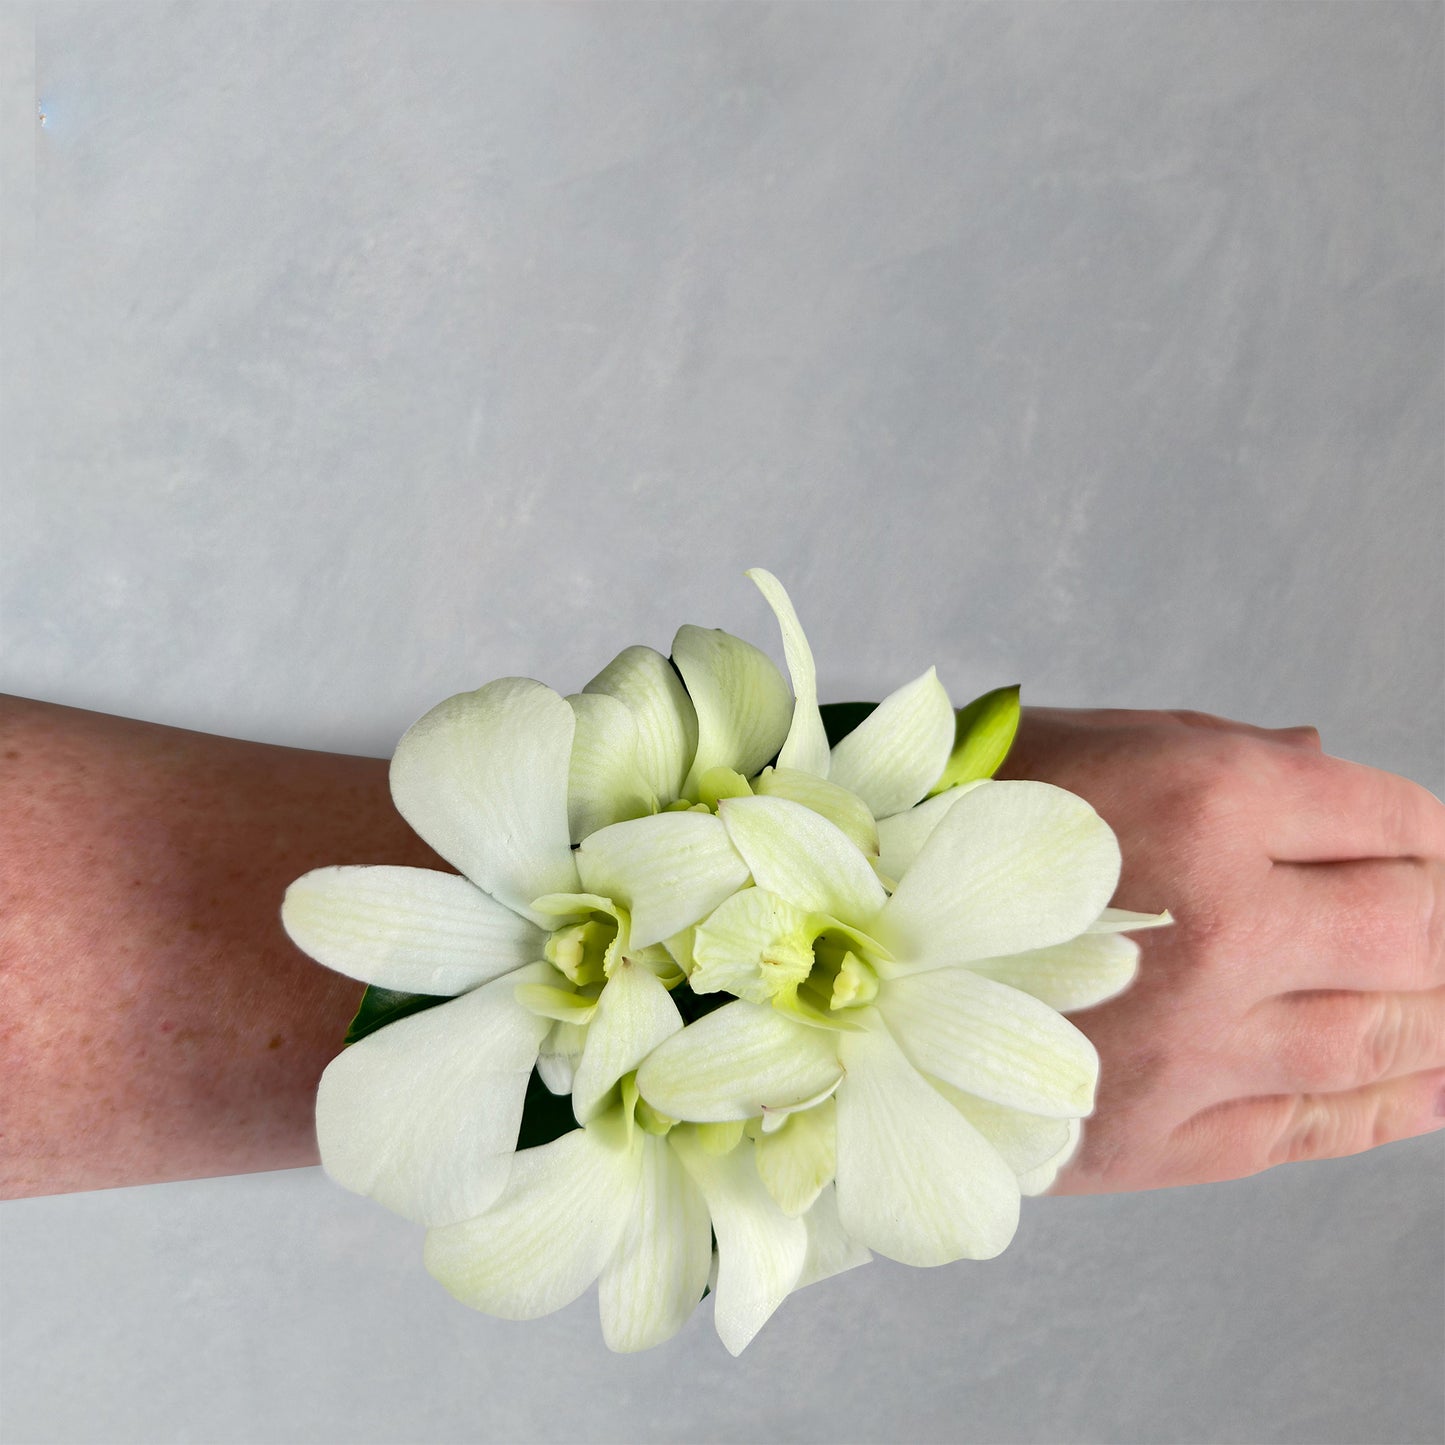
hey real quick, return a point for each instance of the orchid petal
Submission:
(1068, 976)
(560, 909)
(897, 752)
(634, 1014)
(831, 1249)
(760, 1250)
(844, 810)
(680, 945)
(733, 1063)
(720, 1138)
(793, 852)
(901, 837)
(483, 779)
(647, 683)
(657, 1275)
(1024, 1140)
(561, 1005)
(422, 1115)
(668, 871)
(1013, 866)
(743, 705)
(806, 748)
(1121, 920)
(560, 1054)
(799, 1157)
(916, 1181)
(550, 1234)
(412, 929)
(604, 782)
(1042, 1177)
(991, 1040)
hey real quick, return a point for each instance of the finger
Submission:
(1331, 1042)
(1326, 810)
(1246, 1136)
(1375, 924)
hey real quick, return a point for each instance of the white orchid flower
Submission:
(423, 1115)
(927, 1019)
(633, 1203)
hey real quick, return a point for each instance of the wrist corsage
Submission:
(728, 990)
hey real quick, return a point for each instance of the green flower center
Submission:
(580, 949)
(839, 978)
(714, 785)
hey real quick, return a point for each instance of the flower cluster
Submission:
(807, 1001)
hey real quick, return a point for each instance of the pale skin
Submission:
(159, 1025)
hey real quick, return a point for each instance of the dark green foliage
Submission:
(694, 1005)
(545, 1116)
(840, 718)
(382, 1006)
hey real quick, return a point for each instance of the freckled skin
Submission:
(158, 1023)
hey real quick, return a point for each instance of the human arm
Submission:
(159, 1024)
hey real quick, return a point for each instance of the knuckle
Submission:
(1381, 1124)
(1215, 787)
(1320, 1127)
(1306, 735)
(1299, 769)
(1381, 1038)
(1341, 1041)
(1308, 1129)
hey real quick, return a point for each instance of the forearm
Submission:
(157, 1022)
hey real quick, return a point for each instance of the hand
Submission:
(1296, 1009)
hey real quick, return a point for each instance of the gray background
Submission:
(355, 355)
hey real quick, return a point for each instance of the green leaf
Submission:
(840, 718)
(382, 1006)
(982, 737)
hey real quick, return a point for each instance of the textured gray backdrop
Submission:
(354, 355)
